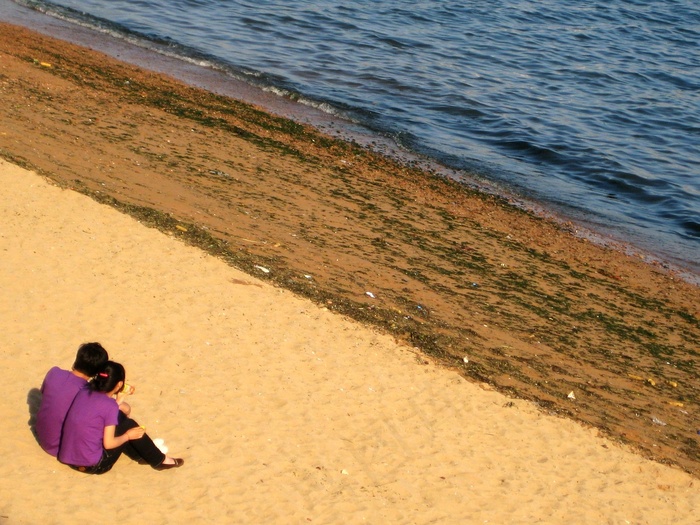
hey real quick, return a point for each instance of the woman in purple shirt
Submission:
(96, 432)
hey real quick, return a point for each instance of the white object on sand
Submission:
(158, 442)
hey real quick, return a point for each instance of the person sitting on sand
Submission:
(58, 391)
(96, 431)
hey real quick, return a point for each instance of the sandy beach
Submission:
(500, 370)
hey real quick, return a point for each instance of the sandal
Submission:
(177, 462)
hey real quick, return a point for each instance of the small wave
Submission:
(677, 81)
(393, 43)
(533, 151)
(297, 97)
(458, 111)
(257, 24)
(691, 228)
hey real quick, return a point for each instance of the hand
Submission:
(135, 433)
(127, 390)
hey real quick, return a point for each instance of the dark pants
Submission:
(142, 450)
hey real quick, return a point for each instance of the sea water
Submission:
(591, 109)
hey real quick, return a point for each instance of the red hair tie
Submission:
(103, 374)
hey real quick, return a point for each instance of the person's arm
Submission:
(111, 441)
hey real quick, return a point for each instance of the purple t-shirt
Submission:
(83, 430)
(58, 391)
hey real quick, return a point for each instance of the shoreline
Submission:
(536, 312)
(222, 83)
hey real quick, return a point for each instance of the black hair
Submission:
(107, 378)
(91, 357)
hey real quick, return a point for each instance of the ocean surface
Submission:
(590, 109)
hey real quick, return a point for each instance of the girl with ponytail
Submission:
(96, 431)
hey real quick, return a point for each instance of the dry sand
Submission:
(284, 412)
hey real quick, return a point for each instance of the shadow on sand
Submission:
(33, 402)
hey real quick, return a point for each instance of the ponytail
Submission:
(107, 378)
